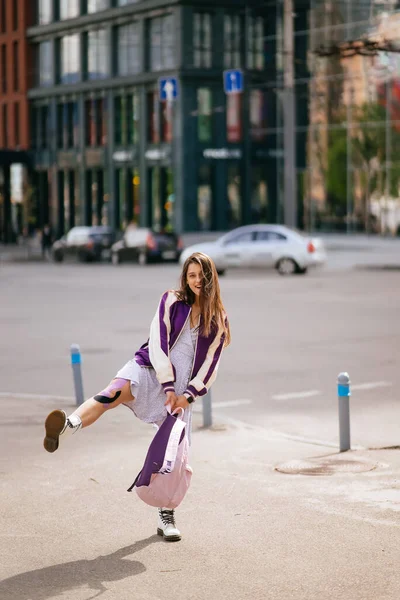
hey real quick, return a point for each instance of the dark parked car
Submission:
(86, 244)
(144, 245)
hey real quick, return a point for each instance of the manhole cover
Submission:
(327, 466)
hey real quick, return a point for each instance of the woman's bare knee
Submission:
(117, 392)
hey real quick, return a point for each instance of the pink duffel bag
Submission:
(166, 475)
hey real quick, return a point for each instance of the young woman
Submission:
(176, 366)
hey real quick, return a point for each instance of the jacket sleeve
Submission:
(207, 373)
(160, 330)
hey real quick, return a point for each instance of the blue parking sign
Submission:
(168, 88)
(233, 81)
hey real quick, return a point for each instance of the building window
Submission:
(68, 125)
(204, 197)
(259, 195)
(16, 66)
(3, 16)
(204, 112)
(234, 118)
(45, 12)
(126, 119)
(17, 124)
(69, 9)
(15, 15)
(97, 5)
(45, 64)
(5, 125)
(232, 41)
(202, 47)
(4, 68)
(234, 196)
(70, 71)
(153, 118)
(97, 54)
(255, 43)
(96, 122)
(162, 38)
(129, 49)
(166, 121)
(40, 126)
(258, 115)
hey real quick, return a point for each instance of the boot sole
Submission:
(54, 425)
(170, 538)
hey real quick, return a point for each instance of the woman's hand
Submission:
(181, 402)
(176, 401)
(171, 399)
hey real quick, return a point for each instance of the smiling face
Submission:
(194, 278)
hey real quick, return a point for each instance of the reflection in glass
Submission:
(45, 64)
(97, 5)
(69, 9)
(155, 198)
(126, 119)
(45, 12)
(204, 110)
(70, 59)
(255, 43)
(162, 43)
(129, 49)
(153, 117)
(258, 115)
(234, 216)
(204, 198)
(202, 35)
(259, 196)
(234, 118)
(169, 200)
(98, 52)
(232, 41)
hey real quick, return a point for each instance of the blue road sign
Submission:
(168, 88)
(233, 81)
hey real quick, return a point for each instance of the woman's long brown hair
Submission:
(212, 309)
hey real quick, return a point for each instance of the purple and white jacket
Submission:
(165, 330)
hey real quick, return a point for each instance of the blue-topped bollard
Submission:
(344, 394)
(76, 362)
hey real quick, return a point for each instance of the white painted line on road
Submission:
(294, 395)
(12, 395)
(370, 386)
(227, 404)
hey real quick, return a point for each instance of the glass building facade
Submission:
(347, 82)
(114, 149)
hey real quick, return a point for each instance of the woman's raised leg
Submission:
(58, 424)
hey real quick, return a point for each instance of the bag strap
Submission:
(171, 450)
(178, 412)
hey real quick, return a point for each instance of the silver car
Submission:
(265, 246)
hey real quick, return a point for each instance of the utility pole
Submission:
(289, 119)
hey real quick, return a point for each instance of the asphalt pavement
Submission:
(274, 510)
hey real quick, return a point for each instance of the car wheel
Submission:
(302, 271)
(58, 257)
(221, 272)
(142, 258)
(286, 266)
(115, 258)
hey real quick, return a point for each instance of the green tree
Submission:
(369, 149)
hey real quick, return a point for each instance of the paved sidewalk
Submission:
(70, 530)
